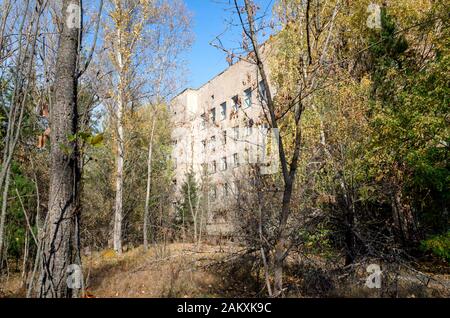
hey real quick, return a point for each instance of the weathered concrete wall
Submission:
(191, 131)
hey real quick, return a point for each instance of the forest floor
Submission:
(187, 270)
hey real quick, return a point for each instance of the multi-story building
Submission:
(218, 133)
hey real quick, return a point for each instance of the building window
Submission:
(213, 143)
(213, 192)
(225, 190)
(213, 167)
(236, 133)
(235, 103)
(213, 115)
(247, 97)
(204, 146)
(224, 137)
(203, 121)
(223, 111)
(235, 187)
(235, 160)
(262, 91)
(248, 130)
(223, 164)
(204, 168)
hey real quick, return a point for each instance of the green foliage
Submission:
(378, 134)
(411, 135)
(319, 241)
(387, 48)
(16, 226)
(189, 200)
(99, 177)
(89, 138)
(438, 245)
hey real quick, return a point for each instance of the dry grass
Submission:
(177, 270)
(187, 270)
(11, 286)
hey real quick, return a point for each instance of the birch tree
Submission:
(169, 40)
(124, 33)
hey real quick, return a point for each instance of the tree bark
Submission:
(191, 209)
(120, 155)
(59, 250)
(117, 234)
(281, 243)
(3, 213)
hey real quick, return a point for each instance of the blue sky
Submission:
(210, 19)
(204, 60)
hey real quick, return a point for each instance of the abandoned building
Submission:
(219, 131)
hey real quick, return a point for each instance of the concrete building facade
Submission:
(219, 132)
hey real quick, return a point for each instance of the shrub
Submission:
(439, 245)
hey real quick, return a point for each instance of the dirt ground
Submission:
(175, 270)
(187, 270)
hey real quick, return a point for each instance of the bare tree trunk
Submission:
(3, 215)
(194, 211)
(288, 174)
(262, 240)
(59, 250)
(200, 226)
(26, 249)
(149, 180)
(117, 234)
(22, 77)
(281, 243)
(191, 209)
(288, 170)
(6, 9)
(120, 155)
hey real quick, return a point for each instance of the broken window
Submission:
(247, 97)
(223, 111)
(235, 103)
(235, 160)
(213, 115)
(203, 121)
(223, 164)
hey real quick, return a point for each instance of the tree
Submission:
(168, 41)
(145, 39)
(189, 206)
(296, 81)
(60, 242)
(125, 33)
(149, 181)
(14, 97)
(410, 135)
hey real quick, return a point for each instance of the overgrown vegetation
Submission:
(363, 115)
